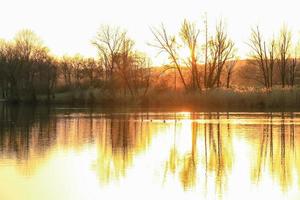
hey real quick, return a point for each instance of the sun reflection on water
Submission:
(180, 155)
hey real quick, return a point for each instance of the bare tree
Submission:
(78, 71)
(11, 69)
(124, 63)
(93, 70)
(47, 74)
(221, 49)
(26, 64)
(166, 43)
(229, 68)
(31, 55)
(133, 69)
(205, 51)
(66, 70)
(77, 64)
(144, 73)
(28, 54)
(262, 57)
(189, 35)
(109, 43)
(292, 70)
(284, 45)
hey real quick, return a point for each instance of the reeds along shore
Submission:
(220, 98)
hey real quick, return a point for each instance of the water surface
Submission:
(67, 154)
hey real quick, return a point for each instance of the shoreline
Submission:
(216, 99)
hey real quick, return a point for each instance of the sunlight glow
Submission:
(68, 26)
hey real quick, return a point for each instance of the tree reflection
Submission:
(189, 170)
(25, 136)
(220, 156)
(217, 153)
(277, 150)
(200, 154)
(122, 139)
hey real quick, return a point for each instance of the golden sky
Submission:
(67, 26)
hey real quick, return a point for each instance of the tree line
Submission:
(28, 69)
(269, 62)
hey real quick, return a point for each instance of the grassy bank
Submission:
(248, 98)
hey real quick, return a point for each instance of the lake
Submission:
(74, 154)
